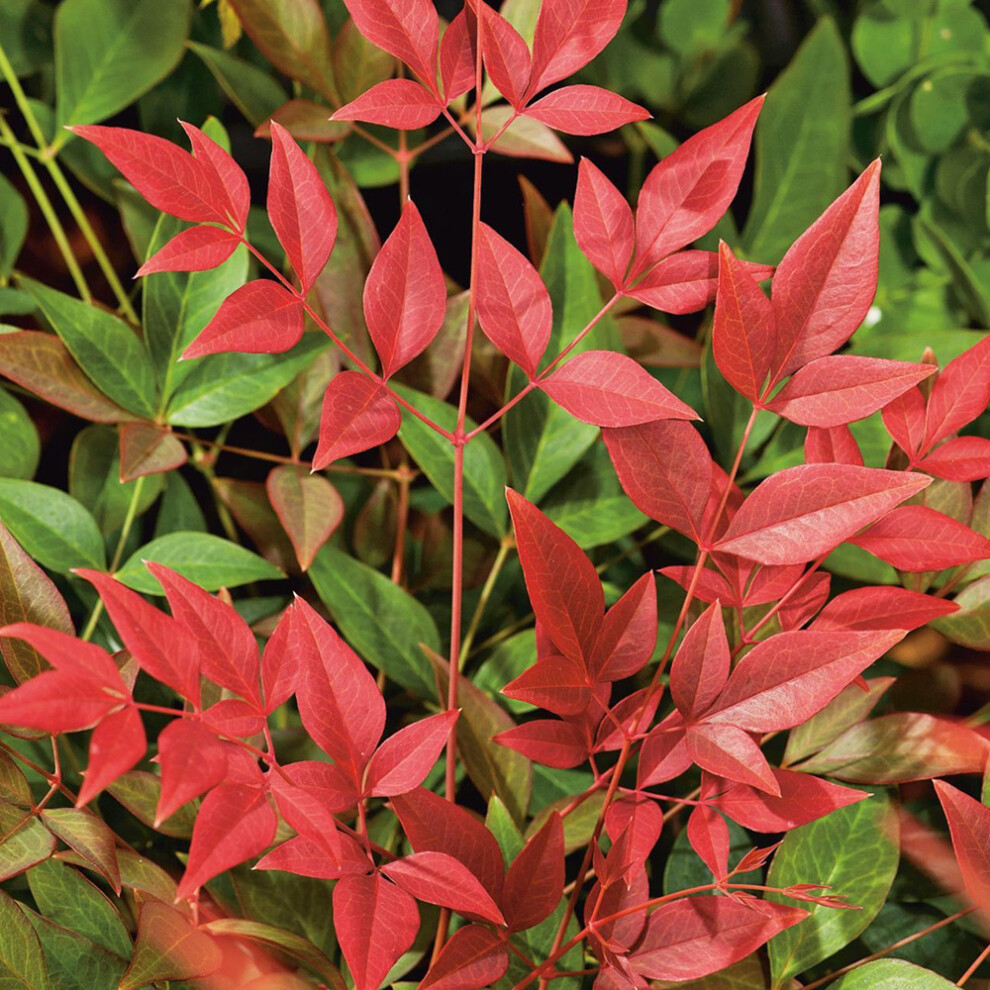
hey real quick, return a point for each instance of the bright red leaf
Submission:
(402, 762)
(192, 760)
(603, 223)
(628, 633)
(548, 741)
(832, 445)
(117, 744)
(969, 826)
(227, 172)
(959, 459)
(457, 56)
(701, 665)
(193, 250)
(558, 684)
(961, 392)
(407, 29)
(709, 838)
(882, 608)
(535, 881)
(507, 57)
(472, 958)
(585, 110)
(399, 103)
(358, 413)
(727, 751)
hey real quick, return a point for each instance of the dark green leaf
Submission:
(252, 90)
(22, 963)
(25, 841)
(14, 211)
(21, 446)
(75, 963)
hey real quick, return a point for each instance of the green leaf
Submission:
(382, 621)
(65, 896)
(211, 562)
(855, 851)
(938, 107)
(51, 526)
(510, 659)
(484, 469)
(21, 446)
(972, 293)
(802, 144)
(252, 90)
(693, 26)
(22, 963)
(27, 841)
(14, 211)
(26, 29)
(892, 974)
(75, 963)
(499, 822)
(970, 626)
(109, 52)
(138, 791)
(883, 45)
(179, 508)
(14, 788)
(89, 836)
(110, 353)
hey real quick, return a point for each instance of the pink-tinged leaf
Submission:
(227, 172)
(116, 746)
(664, 754)
(193, 250)
(811, 594)
(905, 421)
(802, 799)
(642, 819)
(434, 825)
(402, 762)
(148, 449)
(562, 582)
(786, 679)
(557, 684)
(826, 282)
(506, 55)
(727, 751)
(969, 826)
(701, 665)
(709, 838)
(672, 490)
(472, 958)
(67, 653)
(553, 743)
(160, 645)
(698, 936)
(513, 303)
(438, 878)
(585, 110)
(603, 223)
(300, 208)
(689, 191)
(405, 297)
(260, 317)
(234, 719)
(407, 29)
(520, 137)
(358, 413)
(628, 633)
(803, 512)
(458, 57)
(882, 608)
(535, 881)
(308, 506)
(235, 823)
(339, 701)
(710, 586)
(959, 459)
(375, 921)
(840, 389)
(193, 761)
(609, 389)
(960, 394)
(630, 716)
(56, 701)
(916, 538)
(333, 789)
(169, 178)
(307, 804)
(569, 34)
(307, 858)
(744, 334)
(280, 664)
(834, 445)
(398, 103)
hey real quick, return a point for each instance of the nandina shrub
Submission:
(727, 701)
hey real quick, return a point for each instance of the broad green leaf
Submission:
(65, 896)
(22, 963)
(179, 508)
(26, 29)
(87, 835)
(892, 974)
(883, 45)
(690, 27)
(510, 659)
(211, 562)
(939, 109)
(138, 791)
(169, 947)
(855, 851)
(51, 526)
(802, 145)
(27, 841)
(110, 353)
(21, 448)
(109, 52)
(138, 873)
(382, 621)
(252, 90)
(484, 469)
(14, 211)
(974, 296)
(970, 626)
(74, 962)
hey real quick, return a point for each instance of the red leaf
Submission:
(192, 759)
(882, 608)
(961, 392)
(709, 838)
(438, 878)
(826, 282)
(609, 389)
(307, 858)
(56, 701)
(375, 922)
(458, 57)
(558, 684)
(405, 297)
(585, 110)
(116, 745)
(513, 303)
(227, 645)
(193, 250)
(506, 55)
(834, 445)
(308, 506)
(839, 389)
(339, 701)
(235, 823)
(307, 797)
(228, 174)
(786, 679)
(324, 781)
(407, 29)
(399, 103)
(803, 512)
(402, 762)
(701, 665)
(969, 826)
(959, 459)
(628, 633)
(169, 178)
(562, 582)
(728, 751)
(905, 421)
(692, 187)
(664, 753)
(234, 719)
(358, 413)
(535, 881)
(916, 538)
(65, 652)
(643, 820)
(569, 34)
(548, 741)
(280, 664)
(698, 936)
(672, 490)
(258, 318)
(473, 957)
(148, 449)
(300, 208)
(603, 223)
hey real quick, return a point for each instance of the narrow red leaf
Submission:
(709, 838)
(664, 754)
(307, 858)
(358, 413)
(399, 103)
(882, 608)
(506, 55)
(307, 804)
(233, 719)
(57, 701)
(117, 744)
(905, 421)
(628, 633)
(402, 762)
(832, 445)
(280, 664)
(407, 29)
(227, 173)
(585, 110)
(65, 652)
(193, 250)
(961, 392)
(535, 881)
(458, 56)
(969, 826)
(959, 459)
(192, 760)
(701, 664)
(642, 820)
(548, 741)
(308, 506)
(603, 223)
(472, 958)
(557, 684)
(727, 751)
